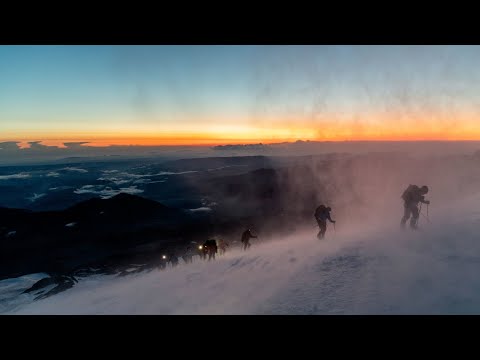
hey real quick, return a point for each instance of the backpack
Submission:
(320, 210)
(409, 192)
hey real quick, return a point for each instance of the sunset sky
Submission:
(175, 95)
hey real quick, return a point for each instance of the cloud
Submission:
(57, 188)
(106, 192)
(201, 209)
(74, 169)
(10, 145)
(174, 173)
(37, 145)
(35, 197)
(225, 167)
(119, 178)
(147, 181)
(109, 171)
(115, 180)
(15, 176)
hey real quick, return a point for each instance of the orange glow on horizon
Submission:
(375, 128)
(112, 141)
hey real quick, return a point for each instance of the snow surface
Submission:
(370, 270)
(11, 295)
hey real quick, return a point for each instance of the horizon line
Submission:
(91, 144)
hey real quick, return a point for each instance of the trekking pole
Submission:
(426, 217)
(334, 231)
(419, 211)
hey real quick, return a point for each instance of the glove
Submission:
(427, 202)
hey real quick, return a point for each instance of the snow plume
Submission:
(366, 188)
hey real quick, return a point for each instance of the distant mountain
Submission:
(240, 147)
(122, 206)
(199, 164)
(91, 230)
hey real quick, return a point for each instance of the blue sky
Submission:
(70, 89)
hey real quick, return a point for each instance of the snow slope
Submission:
(368, 270)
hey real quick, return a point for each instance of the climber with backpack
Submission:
(322, 214)
(411, 197)
(245, 240)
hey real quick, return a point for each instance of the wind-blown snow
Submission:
(375, 269)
